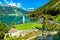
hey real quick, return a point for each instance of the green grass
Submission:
(57, 19)
(11, 38)
(28, 26)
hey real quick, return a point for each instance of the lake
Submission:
(15, 19)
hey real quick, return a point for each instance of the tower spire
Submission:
(23, 19)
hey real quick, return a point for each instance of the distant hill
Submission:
(48, 5)
(12, 14)
(53, 5)
(6, 9)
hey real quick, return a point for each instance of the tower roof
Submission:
(12, 30)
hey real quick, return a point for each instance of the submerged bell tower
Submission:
(23, 19)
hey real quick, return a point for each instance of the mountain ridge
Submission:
(46, 9)
(7, 9)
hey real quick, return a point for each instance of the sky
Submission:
(25, 4)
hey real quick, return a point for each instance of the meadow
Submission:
(27, 26)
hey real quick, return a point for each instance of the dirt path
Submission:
(33, 37)
(52, 33)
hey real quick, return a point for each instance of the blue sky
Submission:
(26, 3)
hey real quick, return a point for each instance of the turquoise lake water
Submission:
(16, 19)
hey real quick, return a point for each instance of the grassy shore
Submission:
(28, 26)
(57, 19)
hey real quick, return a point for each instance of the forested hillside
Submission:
(52, 8)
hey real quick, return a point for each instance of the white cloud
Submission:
(16, 5)
(6, 1)
(19, 5)
(0, 3)
(13, 4)
(24, 8)
(30, 9)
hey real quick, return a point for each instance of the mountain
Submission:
(13, 14)
(6, 10)
(52, 7)
(48, 5)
